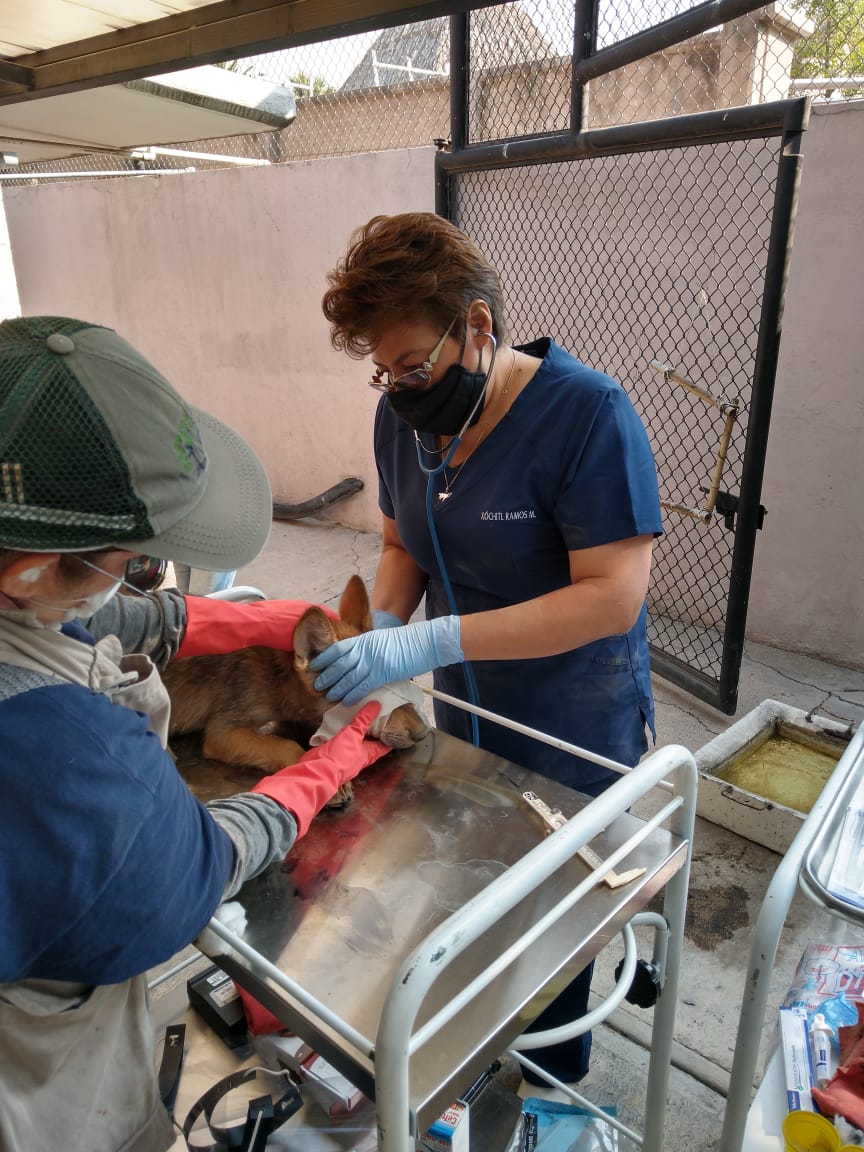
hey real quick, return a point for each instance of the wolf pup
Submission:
(257, 707)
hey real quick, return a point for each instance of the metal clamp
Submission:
(554, 820)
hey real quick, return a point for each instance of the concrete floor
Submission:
(312, 560)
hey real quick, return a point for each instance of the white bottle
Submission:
(820, 1043)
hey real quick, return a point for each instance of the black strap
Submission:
(259, 1124)
(172, 1062)
(261, 1119)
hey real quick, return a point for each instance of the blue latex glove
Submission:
(382, 619)
(351, 669)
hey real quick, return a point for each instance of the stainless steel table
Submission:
(412, 937)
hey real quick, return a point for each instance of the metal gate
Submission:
(656, 252)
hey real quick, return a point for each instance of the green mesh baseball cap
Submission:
(97, 450)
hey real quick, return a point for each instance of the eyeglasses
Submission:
(142, 573)
(145, 573)
(417, 377)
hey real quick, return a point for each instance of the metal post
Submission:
(695, 128)
(584, 46)
(683, 821)
(664, 35)
(459, 94)
(764, 374)
(460, 62)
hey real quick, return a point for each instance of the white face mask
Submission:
(75, 609)
(91, 604)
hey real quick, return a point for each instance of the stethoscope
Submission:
(430, 474)
(423, 451)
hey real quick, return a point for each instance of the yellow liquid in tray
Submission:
(782, 770)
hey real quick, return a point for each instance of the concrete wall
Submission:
(808, 584)
(9, 303)
(217, 277)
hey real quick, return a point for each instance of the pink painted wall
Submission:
(808, 582)
(217, 277)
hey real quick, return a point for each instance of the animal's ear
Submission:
(313, 633)
(354, 605)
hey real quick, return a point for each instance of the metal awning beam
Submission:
(220, 31)
(16, 76)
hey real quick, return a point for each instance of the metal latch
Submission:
(727, 505)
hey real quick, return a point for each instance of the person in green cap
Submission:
(110, 865)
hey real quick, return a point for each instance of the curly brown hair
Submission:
(414, 266)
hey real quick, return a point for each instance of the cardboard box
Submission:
(796, 1060)
(332, 1091)
(450, 1132)
(279, 1050)
(336, 1093)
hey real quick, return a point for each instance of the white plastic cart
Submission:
(417, 936)
(807, 864)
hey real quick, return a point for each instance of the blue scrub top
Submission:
(568, 467)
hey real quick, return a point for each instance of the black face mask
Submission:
(444, 408)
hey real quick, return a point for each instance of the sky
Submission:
(334, 60)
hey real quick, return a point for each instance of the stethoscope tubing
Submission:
(431, 473)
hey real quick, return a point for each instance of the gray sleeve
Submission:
(260, 829)
(154, 624)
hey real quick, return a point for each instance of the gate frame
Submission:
(784, 119)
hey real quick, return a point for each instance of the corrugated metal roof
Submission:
(197, 104)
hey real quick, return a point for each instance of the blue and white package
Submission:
(846, 879)
(796, 1060)
(552, 1127)
(839, 1012)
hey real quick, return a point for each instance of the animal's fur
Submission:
(257, 707)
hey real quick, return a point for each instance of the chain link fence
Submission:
(654, 259)
(391, 89)
(655, 276)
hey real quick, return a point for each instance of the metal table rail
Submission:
(806, 865)
(417, 937)
(816, 869)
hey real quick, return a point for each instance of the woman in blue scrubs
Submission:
(538, 479)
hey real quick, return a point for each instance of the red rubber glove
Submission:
(216, 626)
(844, 1095)
(305, 787)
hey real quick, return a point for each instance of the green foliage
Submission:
(836, 46)
(320, 87)
(242, 67)
(253, 66)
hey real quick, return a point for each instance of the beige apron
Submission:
(77, 1062)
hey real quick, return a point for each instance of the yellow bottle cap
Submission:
(809, 1132)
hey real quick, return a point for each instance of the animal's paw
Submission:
(404, 727)
(343, 797)
(397, 736)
